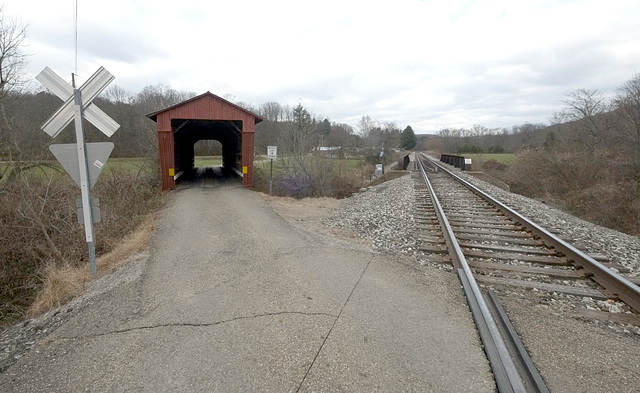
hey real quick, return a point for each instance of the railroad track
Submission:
(487, 242)
(504, 247)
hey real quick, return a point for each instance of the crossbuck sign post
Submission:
(78, 104)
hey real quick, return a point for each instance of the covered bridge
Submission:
(205, 117)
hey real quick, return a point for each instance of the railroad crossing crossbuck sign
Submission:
(78, 105)
(89, 90)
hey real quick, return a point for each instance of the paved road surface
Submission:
(235, 299)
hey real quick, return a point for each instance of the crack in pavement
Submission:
(334, 324)
(209, 324)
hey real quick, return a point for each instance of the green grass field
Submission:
(53, 169)
(205, 161)
(504, 158)
(133, 165)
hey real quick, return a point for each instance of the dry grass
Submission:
(61, 284)
(64, 282)
(136, 243)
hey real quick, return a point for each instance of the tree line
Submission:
(482, 139)
(23, 144)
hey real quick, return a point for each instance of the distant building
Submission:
(329, 151)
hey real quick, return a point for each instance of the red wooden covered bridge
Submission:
(205, 117)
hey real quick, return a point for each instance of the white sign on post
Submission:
(78, 105)
(272, 152)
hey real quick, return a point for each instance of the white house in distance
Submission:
(329, 151)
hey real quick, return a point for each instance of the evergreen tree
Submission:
(408, 139)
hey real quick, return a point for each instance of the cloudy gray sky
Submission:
(430, 64)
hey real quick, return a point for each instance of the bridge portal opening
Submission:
(191, 134)
(208, 152)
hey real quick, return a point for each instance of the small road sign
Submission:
(272, 152)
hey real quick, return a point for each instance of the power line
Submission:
(75, 36)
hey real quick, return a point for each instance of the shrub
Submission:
(496, 149)
(472, 149)
(296, 185)
(596, 187)
(493, 165)
(315, 177)
(41, 234)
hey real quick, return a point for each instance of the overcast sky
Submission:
(428, 64)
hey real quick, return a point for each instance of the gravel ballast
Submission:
(384, 214)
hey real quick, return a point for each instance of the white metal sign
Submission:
(272, 152)
(97, 154)
(89, 90)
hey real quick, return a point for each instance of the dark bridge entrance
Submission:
(205, 117)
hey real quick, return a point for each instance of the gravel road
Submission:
(233, 297)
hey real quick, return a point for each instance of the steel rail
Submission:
(614, 284)
(505, 372)
(530, 374)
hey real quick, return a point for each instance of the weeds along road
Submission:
(234, 298)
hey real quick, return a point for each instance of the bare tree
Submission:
(298, 138)
(586, 111)
(340, 135)
(154, 98)
(304, 173)
(627, 104)
(13, 61)
(118, 95)
(151, 99)
(365, 125)
(271, 111)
